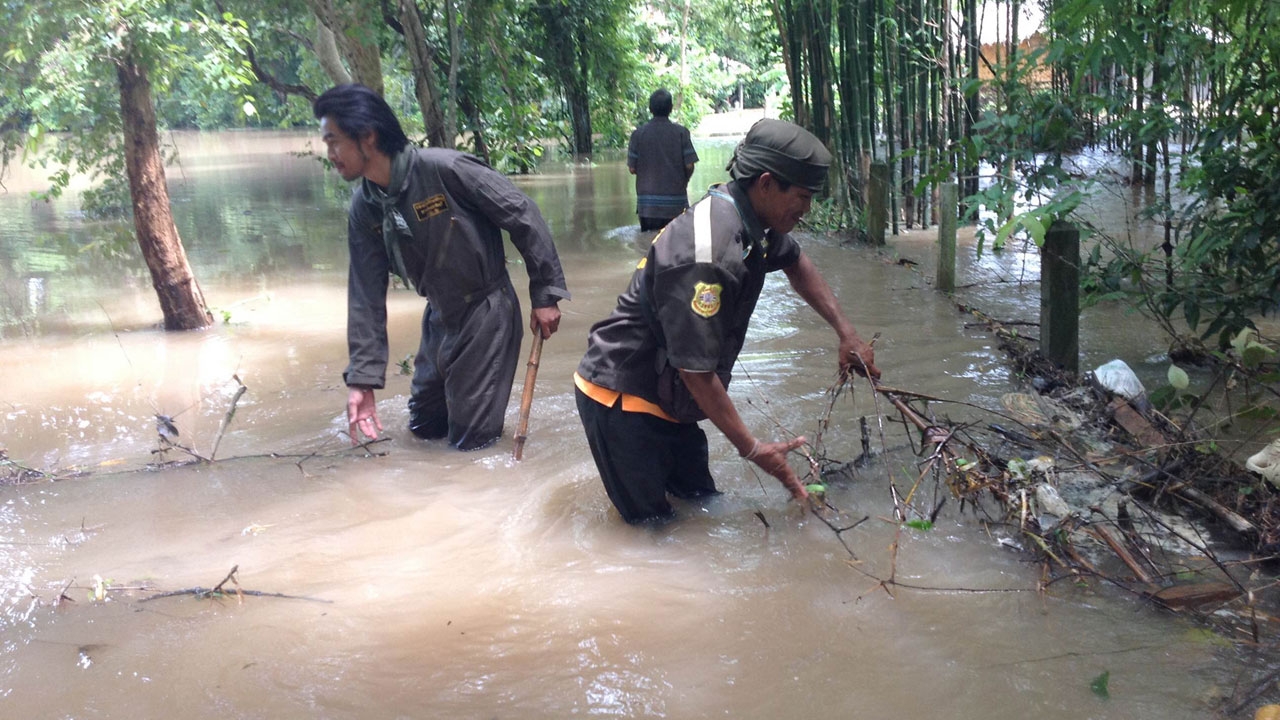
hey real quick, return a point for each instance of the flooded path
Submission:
(447, 584)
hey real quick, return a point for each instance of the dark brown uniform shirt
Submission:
(683, 313)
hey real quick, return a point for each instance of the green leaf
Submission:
(1099, 685)
(1035, 228)
(1255, 353)
(1162, 397)
(1178, 378)
(1005, 231)
(816, 488)
(1019, 469)
(1242, 339)
(919, 524)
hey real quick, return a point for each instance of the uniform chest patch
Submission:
(430, 207)
(706, 299)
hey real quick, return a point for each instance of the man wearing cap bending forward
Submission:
(662, 360)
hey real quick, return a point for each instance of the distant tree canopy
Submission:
(499, 77)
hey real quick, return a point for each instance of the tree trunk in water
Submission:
(424, 83)
(580, 97)
(181, 300)
(580, 117)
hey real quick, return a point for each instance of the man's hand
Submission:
(362, 415)
(708, 391)
(858, 356)
(545, 320)
(772, 458)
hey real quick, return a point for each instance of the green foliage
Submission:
(1173, 396)
(1101, 685)
(65, 93)
(1221, 267)
(1026, 139)
(517, 131)
(1251, 352)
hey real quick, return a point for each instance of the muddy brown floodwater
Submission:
(434, 583)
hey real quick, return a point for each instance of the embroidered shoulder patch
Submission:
(430, 207)
(706, 299)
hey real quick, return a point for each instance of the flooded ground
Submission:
(432, 583)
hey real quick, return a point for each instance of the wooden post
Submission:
(1060, 295)
(877, 203)
(950, 198)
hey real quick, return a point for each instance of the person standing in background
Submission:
(661, 156)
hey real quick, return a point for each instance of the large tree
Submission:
(581, 40)
(80, 94)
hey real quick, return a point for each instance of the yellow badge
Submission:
(430, 207)
(706, 299)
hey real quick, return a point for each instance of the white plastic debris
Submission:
(1051, 502)
(1117, 377)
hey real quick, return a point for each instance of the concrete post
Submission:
(949, 200)
(1060, 295)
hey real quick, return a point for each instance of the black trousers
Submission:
(641, 458)
(652, 223)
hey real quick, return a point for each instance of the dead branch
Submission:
(226, 420)
(217, 591)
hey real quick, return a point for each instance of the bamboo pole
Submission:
(526, 399)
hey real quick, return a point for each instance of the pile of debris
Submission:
(1102, 487)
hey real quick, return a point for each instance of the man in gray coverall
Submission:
(434, 217)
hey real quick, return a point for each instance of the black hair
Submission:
(358, 111)
(660, 103)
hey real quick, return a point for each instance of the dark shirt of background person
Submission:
(661, 156)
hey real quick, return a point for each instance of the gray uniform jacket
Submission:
(456, 208)
(686, 314)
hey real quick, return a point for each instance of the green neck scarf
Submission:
(394, 228)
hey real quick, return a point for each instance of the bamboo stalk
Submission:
(526, 400)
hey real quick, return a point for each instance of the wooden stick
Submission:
(1125, 556)
(1237, 523)
(526, 400)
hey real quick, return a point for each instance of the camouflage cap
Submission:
(782, 149)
